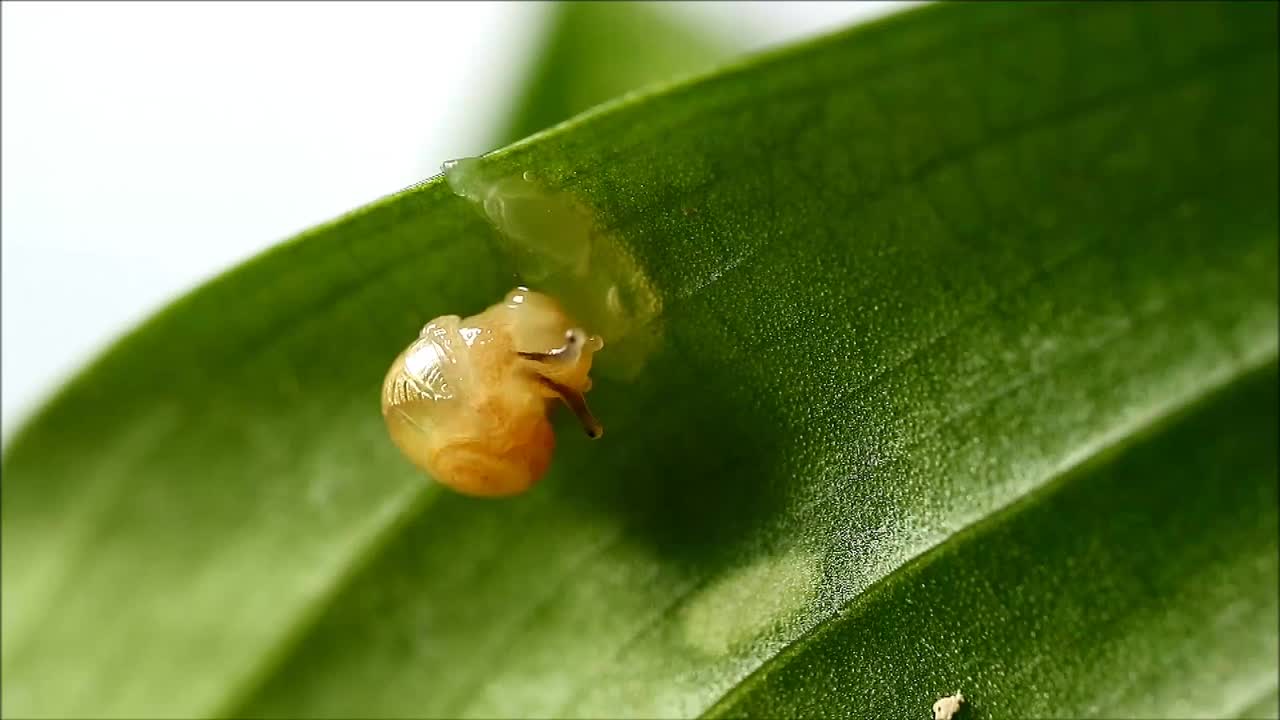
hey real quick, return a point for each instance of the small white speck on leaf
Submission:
(947, 707)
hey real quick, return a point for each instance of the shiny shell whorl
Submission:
(468, 401)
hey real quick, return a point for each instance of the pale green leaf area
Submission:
(967, 382)
(1266, 705)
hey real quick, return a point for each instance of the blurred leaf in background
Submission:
(594, 52)
(969, 382)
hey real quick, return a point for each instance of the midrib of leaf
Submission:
(1075, 466)
(1115, 440)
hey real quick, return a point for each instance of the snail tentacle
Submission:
(577, 403)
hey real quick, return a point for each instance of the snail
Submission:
(469, 401)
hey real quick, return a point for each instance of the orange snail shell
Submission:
(468, 401)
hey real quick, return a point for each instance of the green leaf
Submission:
(967, 383)
(1044, 610)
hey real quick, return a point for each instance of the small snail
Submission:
(468, 401)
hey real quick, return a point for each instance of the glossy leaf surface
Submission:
(951, 302)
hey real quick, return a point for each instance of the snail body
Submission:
(468, 401)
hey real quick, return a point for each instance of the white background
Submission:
(148, 146)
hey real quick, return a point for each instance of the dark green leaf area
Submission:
(1139, 585)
